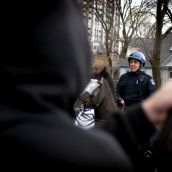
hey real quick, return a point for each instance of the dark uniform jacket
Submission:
(40, 80)
(133, 87)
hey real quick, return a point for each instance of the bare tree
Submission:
(104, 11)
(131, 18)
(161, 11)
(163, 16)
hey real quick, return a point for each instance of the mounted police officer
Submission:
(132, 88)
(135, 85)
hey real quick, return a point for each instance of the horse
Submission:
(97, 95)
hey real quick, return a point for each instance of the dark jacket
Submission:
(134, 87)
(42, 74)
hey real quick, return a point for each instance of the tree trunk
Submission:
(108, 54)
(157, 45)
(124, 50)
(156, 68)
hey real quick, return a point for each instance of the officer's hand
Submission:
(121, 101)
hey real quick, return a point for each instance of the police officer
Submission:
(135, 85)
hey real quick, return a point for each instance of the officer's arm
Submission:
(119, 97)
(151, 86)
(118, 87)
(118, 90)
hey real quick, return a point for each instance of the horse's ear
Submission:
(103, 71)
(104, 68)
(101, 80)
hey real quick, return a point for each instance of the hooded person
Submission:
(41, 79)
(42, 74)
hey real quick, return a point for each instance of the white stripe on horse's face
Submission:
(92, 86)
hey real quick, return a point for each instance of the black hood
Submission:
(47, 55)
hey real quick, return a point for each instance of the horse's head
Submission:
(98, 94)
(90, 97)
(104, 73)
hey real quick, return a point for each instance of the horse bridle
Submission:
(93, 87)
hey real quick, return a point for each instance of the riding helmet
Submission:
(138, 56)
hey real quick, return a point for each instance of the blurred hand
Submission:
(158, 105)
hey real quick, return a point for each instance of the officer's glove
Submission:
(121, 101)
